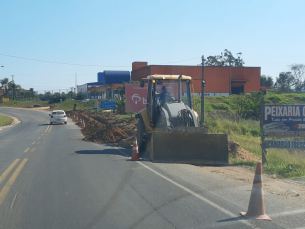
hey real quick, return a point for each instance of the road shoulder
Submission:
(286, 188)
(15, 122)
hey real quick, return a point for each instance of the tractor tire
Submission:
(141, 136)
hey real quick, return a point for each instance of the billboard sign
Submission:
(108, 105)
(283, 121)
(136, 97)
(285, 144)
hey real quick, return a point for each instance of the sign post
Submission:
(264, 151)
(282, 121)
(108, 105)
(96, 106)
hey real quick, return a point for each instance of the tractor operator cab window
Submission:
(165, 96)
(167, 92)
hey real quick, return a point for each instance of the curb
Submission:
(15, 122)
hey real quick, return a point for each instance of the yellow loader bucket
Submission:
(190, 148)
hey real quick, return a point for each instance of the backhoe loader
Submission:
(168, 128)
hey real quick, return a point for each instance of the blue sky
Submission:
(270, 35)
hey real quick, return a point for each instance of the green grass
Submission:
(283, 163)
(69, 104)
(237, 161)
(65, 105)
(4, 120)
(226, 102)
(24, 104)
(228, 123)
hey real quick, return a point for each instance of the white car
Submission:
(58, 116)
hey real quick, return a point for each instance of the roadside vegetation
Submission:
(238, 116)
(65, 105)
(4, 120)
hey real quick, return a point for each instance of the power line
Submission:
(84, 65)
(195, 58)
(53, 62)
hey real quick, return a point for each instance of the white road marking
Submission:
(194, 194)
(299, 211)
(14, 200)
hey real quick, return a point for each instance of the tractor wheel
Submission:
(141, 136)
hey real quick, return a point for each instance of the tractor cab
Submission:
(169, 102)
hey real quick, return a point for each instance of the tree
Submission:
(225, 59)
(248, 106)
(71, 95)
(4, 83)
(266, 81)
(63, 96)
(13, 88)
(120, 103)
(297, 72)
(80, 96)
(284, 81)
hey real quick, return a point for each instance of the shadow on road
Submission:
(105, 151)
(232, 219)
(54, 124)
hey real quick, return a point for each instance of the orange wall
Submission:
(217, 78)
(250, 73)
(136, 65)
(141, 73)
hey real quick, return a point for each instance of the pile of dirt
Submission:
(103, 127)
(236, 151)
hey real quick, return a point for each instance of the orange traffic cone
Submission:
(256, 209)
(135, 151)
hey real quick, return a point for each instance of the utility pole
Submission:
(13, 78)
(75, 82)
(230, 90)
(202, 91)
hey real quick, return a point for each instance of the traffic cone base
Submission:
(256, 208)
(265, 216)
(135, 150)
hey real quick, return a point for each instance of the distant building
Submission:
(105, 79)
(243, 79)
(113, 77)
(90, 87)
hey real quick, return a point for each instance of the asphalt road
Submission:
(50, 178)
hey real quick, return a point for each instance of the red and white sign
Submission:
(136, 97)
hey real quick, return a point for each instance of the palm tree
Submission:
(13, 87)
(4, 83)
